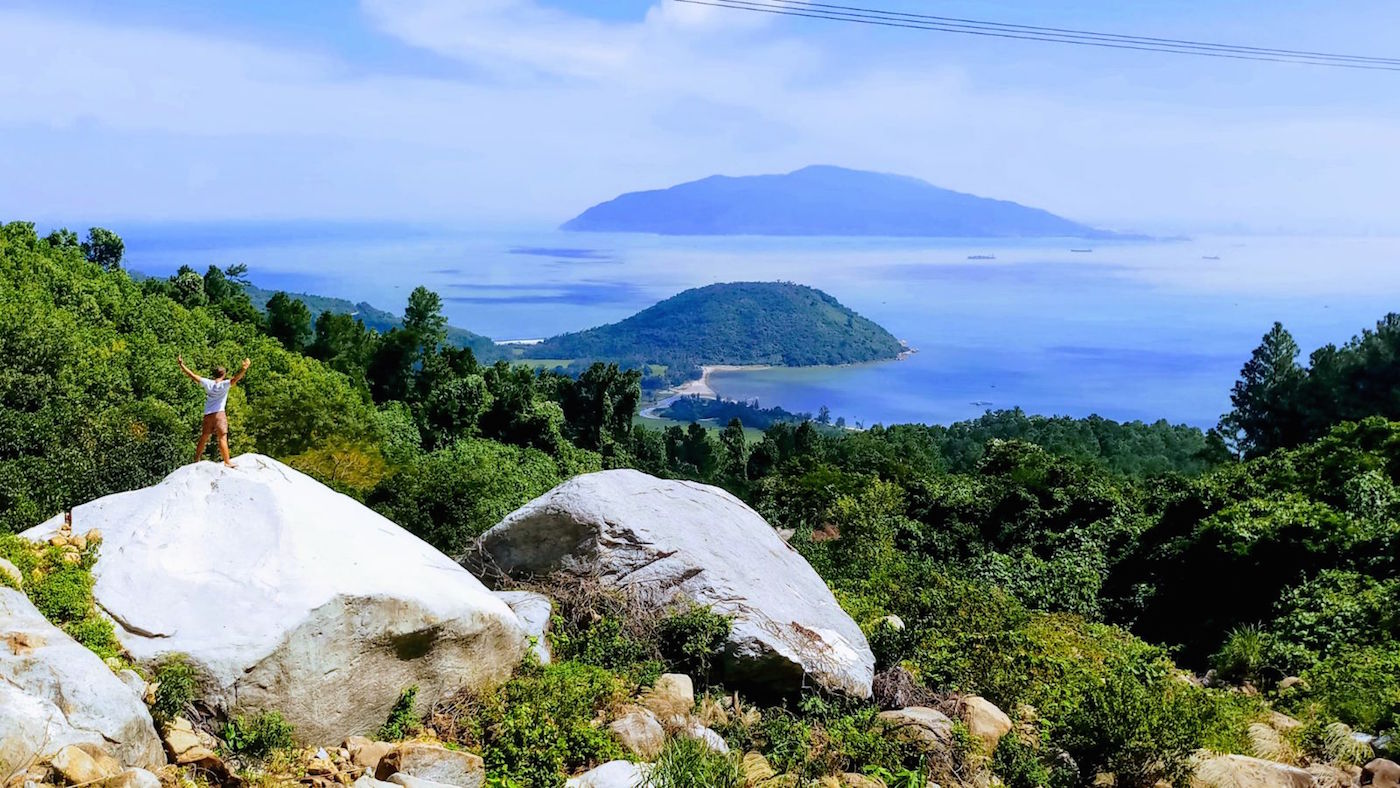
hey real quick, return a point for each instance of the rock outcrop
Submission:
(56, 696)
(1235, 771)
(669, 541)
(287, 595)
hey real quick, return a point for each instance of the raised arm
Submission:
(181, 361)
(241, 373)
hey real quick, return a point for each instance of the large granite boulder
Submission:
(55, 694)
(668, 541)
(287, 595)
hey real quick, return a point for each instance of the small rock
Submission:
(694, 730)
(432, 762)
(78, 765)
(78, 543)
(59, 541)
(131, 778)
(71, 558)
(367, 781)
(985, 721)
(853, 780)
(93, 535)
(639, 733)
(929, 728)
(1282, 722)
(1289, 683)
(613, 774)
(892, 622)
(673, 695)
(1381, 773)
(366, 753)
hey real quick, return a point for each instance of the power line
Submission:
(868, 16)
(1084, 33)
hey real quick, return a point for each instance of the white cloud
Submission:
(561, 111)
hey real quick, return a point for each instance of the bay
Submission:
(1129, 330)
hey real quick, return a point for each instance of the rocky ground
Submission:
(274, 592)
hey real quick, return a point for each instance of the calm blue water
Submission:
(1129, 331)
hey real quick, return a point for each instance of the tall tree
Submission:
(736, 450)
(1266, 398)
(288, 321)
(104, 247)
(63, 238)
(423, 319)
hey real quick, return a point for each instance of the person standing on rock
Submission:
(215, 401)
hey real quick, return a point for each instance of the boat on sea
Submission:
(1082, 251)
(981, 257)
(1210, 257)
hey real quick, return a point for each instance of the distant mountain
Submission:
(735, 323)
(823, 200)
(373, 317)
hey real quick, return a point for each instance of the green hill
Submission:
(776, 323)
(373, 317)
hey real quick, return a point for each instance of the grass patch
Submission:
(60, 585)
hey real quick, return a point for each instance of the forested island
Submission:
(823, 200)
(1146, 602)
(736, 323)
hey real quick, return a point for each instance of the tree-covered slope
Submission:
(374, 318)
(734, 323)
(822, 200)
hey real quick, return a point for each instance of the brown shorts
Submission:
(216, 423)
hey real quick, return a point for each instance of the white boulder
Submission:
(54, 693)
(613, 774)
(288, 596)
(668, 541)
(535, 612)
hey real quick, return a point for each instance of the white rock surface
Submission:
(613, 774)
(287, 595)
(534, 611)
(55, 693)
(669, 540)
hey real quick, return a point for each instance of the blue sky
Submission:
(523, 112)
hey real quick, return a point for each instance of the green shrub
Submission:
(689, 763)
(540, 726)
(1244, 655)
(259, 735)
(175, 688)
(403, 721)
(1358, 686)
(692, 639)
(1140, 728)
(62, 591)
(1020, 764)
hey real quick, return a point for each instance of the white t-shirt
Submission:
(215, 394)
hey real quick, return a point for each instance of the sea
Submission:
(1128, 330)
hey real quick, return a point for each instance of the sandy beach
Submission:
(702, 388)
(699, 387)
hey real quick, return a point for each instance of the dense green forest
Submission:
(1082, 573)
(374, 318)
(734, 323)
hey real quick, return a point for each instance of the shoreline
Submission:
(700, 387)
